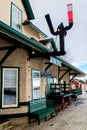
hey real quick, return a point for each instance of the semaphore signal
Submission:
(61, 30)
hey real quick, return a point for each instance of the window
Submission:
(10, 87)
(16, 18)
(36, 83)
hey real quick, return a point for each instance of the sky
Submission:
(76, 39)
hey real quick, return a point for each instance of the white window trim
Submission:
(34, 94)
(13, 19)
(10, 105)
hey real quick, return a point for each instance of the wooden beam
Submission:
(6, 47)
(64, 74)
(73, 76)
(7, 54)
(49, 65)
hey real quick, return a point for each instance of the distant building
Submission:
(79, 84)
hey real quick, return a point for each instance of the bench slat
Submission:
(45, 110)
(36, 105)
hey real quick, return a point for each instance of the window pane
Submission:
(10, 87)
(16, 18)
(10, 78)
(36, 82)
(9, 96)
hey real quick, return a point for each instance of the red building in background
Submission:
(79, 84)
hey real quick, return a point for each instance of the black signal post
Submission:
(61, 30)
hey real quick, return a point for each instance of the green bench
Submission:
(77, 91)
(39, 109)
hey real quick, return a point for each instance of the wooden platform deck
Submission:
(73, 117)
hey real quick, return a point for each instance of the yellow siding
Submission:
(66, 76)
(5, 12)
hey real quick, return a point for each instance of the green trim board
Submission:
(37, 29)
(24, 103)
(21, 38)
(24, 40)
(67, 64)
(53, 44)
(28, 9)
(18, 86)
(0, 88)
(81, 81)
(16, 115)
(51, 40)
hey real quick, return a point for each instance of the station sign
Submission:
(46, 74)
(55, 61)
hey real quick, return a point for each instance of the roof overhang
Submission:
(10, 34)
(28, 23)
(73, 71)
(47, 40)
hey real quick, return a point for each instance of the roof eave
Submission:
(24, 40)
(37, 29)
(71, 66)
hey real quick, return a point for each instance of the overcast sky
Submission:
(76, 39)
